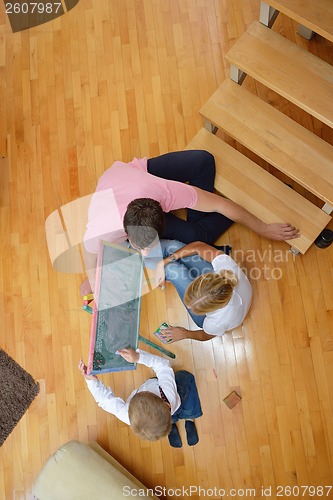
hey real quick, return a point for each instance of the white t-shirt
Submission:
(106, 399)
(233, 314)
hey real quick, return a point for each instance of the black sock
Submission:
(191, 433)
(174, 437)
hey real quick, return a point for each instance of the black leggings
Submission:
(198, 169)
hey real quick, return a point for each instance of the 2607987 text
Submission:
(297, 491)
(33, 7)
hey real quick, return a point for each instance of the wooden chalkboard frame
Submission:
(117, 303)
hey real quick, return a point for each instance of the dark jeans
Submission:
(190, 407)
(198, 169)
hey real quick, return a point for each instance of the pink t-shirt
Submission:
(117, 187)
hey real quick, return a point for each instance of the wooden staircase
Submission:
(291, 148)
(304, 80)
(289, 70)
(244, 182)
(314, 17)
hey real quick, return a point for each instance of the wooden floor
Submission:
(114, 79)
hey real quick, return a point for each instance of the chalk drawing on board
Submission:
(116, 315)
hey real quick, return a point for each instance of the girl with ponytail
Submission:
(213, 288)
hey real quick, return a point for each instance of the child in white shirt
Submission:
(152, 410)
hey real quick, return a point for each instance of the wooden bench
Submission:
(255, 189)
(313, 15)
(291, 148)
(289, 70)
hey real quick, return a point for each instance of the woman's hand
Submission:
(175, 333)
(160, 274)
(130, 355)
(83, 369)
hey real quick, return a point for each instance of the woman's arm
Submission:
(204, 251)
(175, 333)
(209, 202)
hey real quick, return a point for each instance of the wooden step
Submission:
(316, 15)
(289, 70)
(255, 189)
(291, 148)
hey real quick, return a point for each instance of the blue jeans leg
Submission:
(182, 272)
(194, 263)
(190, 407)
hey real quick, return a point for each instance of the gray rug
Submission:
(17, 391)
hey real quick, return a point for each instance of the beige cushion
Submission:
(78, 471)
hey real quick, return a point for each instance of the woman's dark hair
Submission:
(143, 222)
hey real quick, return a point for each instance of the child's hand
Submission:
(85, 287)
(83, 369)
(129, 354)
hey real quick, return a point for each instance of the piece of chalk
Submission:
(90, 296)
(87, 301)
(88, 309)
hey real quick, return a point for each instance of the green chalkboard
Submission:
(116, 309)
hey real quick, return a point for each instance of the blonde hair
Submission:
(210, 292)
(149, 415)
